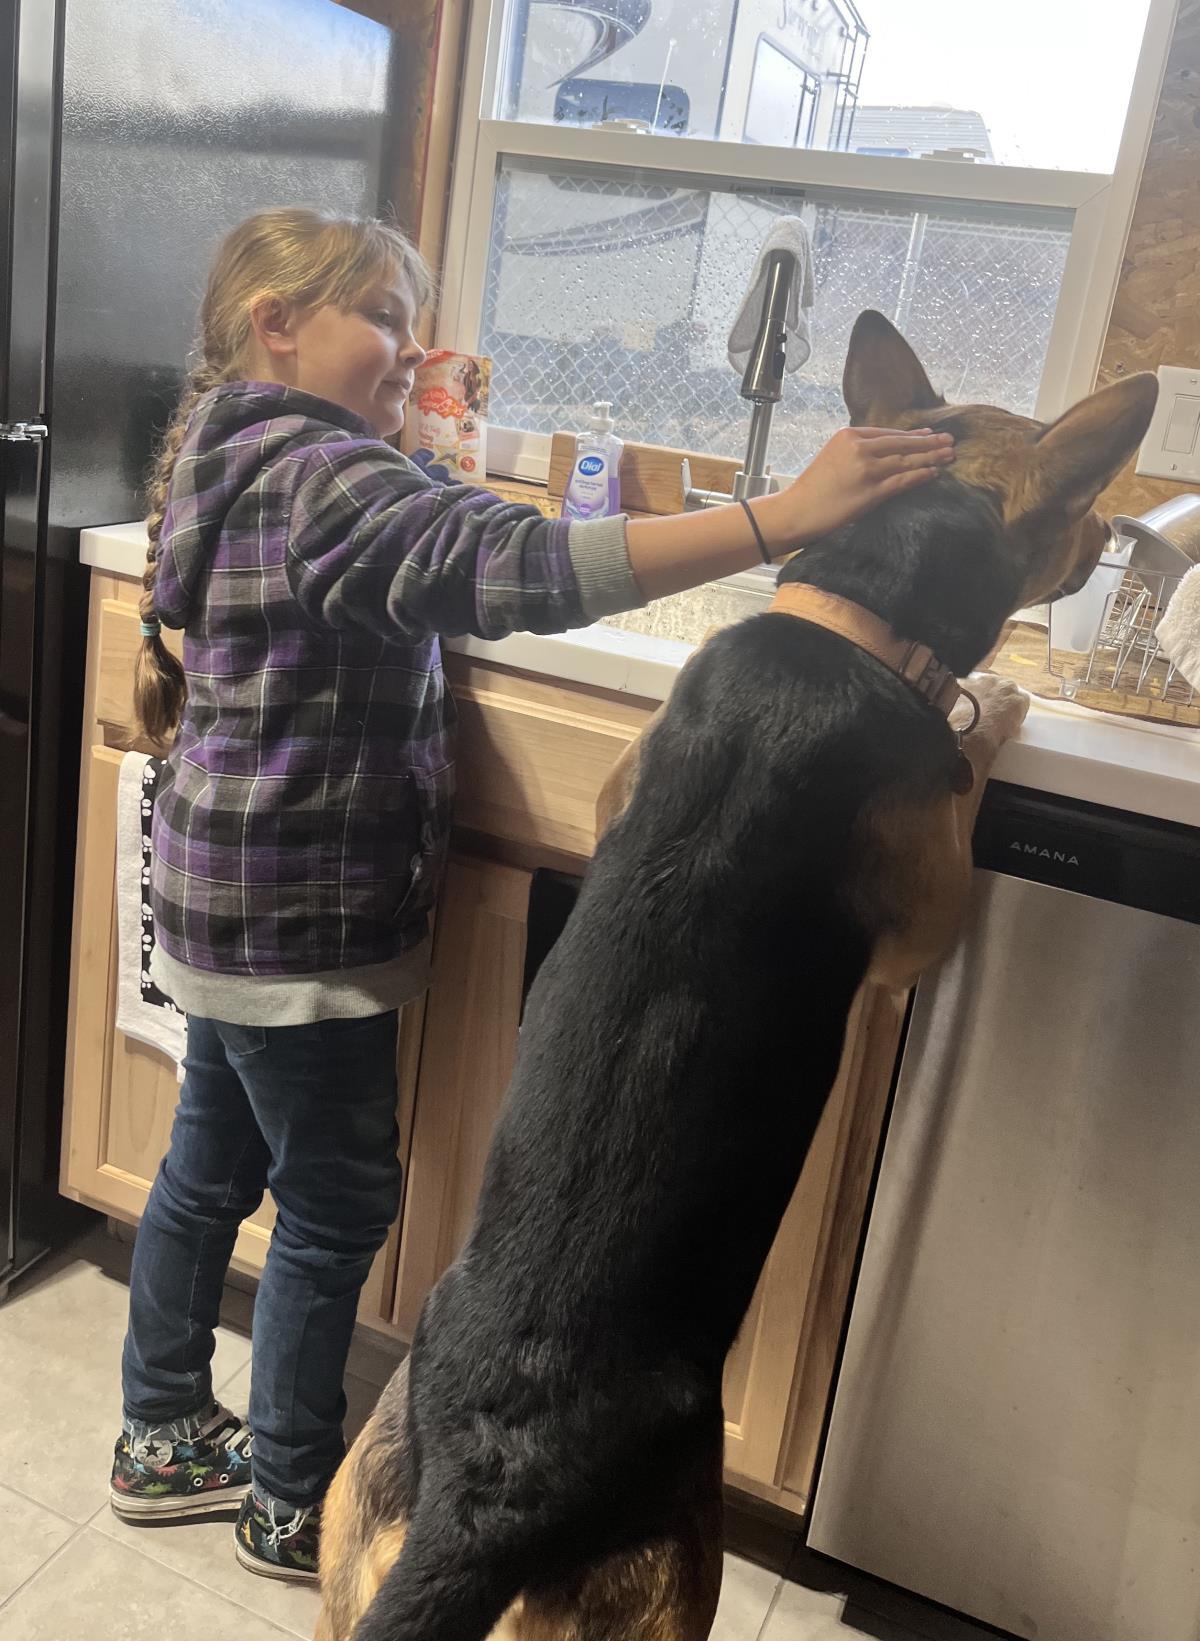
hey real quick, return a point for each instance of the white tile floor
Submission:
(69, 1568)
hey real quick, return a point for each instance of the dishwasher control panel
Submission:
(1104, 853)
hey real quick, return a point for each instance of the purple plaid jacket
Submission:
(304, 810)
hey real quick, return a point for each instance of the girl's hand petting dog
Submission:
(856, 470)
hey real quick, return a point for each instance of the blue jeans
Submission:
(308, 1112)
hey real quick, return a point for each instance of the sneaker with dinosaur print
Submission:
(277, 1541)
(190, 1467)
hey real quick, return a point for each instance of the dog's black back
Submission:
(677, 1051)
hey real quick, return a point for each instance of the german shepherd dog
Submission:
(546, 1466)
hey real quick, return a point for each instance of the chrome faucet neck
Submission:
(762, 386)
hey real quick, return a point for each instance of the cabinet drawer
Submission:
(533, 755)
(120, 641)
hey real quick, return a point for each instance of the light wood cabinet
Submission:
(532, 757)
(467, 1053)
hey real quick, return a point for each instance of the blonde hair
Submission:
(308, 257)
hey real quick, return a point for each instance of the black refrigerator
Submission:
(133, 134)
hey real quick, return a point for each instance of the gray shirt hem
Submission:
(293, 999)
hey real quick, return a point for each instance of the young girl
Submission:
(303, 814)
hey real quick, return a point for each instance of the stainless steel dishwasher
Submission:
(1016, 1426)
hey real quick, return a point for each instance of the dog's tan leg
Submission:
(357, 1546)
(356, 1551)
(665, 1591)
(340, 1551)
(924, 854)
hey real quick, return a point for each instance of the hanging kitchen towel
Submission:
(143, 1011)
(1179, 630)
(788, 234)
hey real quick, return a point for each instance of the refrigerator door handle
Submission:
(22, 432)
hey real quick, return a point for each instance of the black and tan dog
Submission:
(549, 1467)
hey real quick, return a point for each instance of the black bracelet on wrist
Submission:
(758, 535)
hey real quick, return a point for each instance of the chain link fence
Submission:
(615, 288)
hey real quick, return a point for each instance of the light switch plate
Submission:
(1171, 448)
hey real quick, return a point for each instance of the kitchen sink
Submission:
(688, 617)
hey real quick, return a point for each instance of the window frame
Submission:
(1102, 205)
(811, 90)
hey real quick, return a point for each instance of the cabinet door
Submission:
(780, 1371)
(467, 1052)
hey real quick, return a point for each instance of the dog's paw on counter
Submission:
(1003, 706)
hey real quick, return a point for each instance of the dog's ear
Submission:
(1074, 458)
(883, 377)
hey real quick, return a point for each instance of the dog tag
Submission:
(962, 776)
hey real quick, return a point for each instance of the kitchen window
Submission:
(956, 167)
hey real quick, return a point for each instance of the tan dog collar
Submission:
(915, 663)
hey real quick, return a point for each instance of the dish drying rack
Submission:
(1124, 659)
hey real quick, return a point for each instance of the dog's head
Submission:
(1043, 477)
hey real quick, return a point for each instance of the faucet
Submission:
(762, 386)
